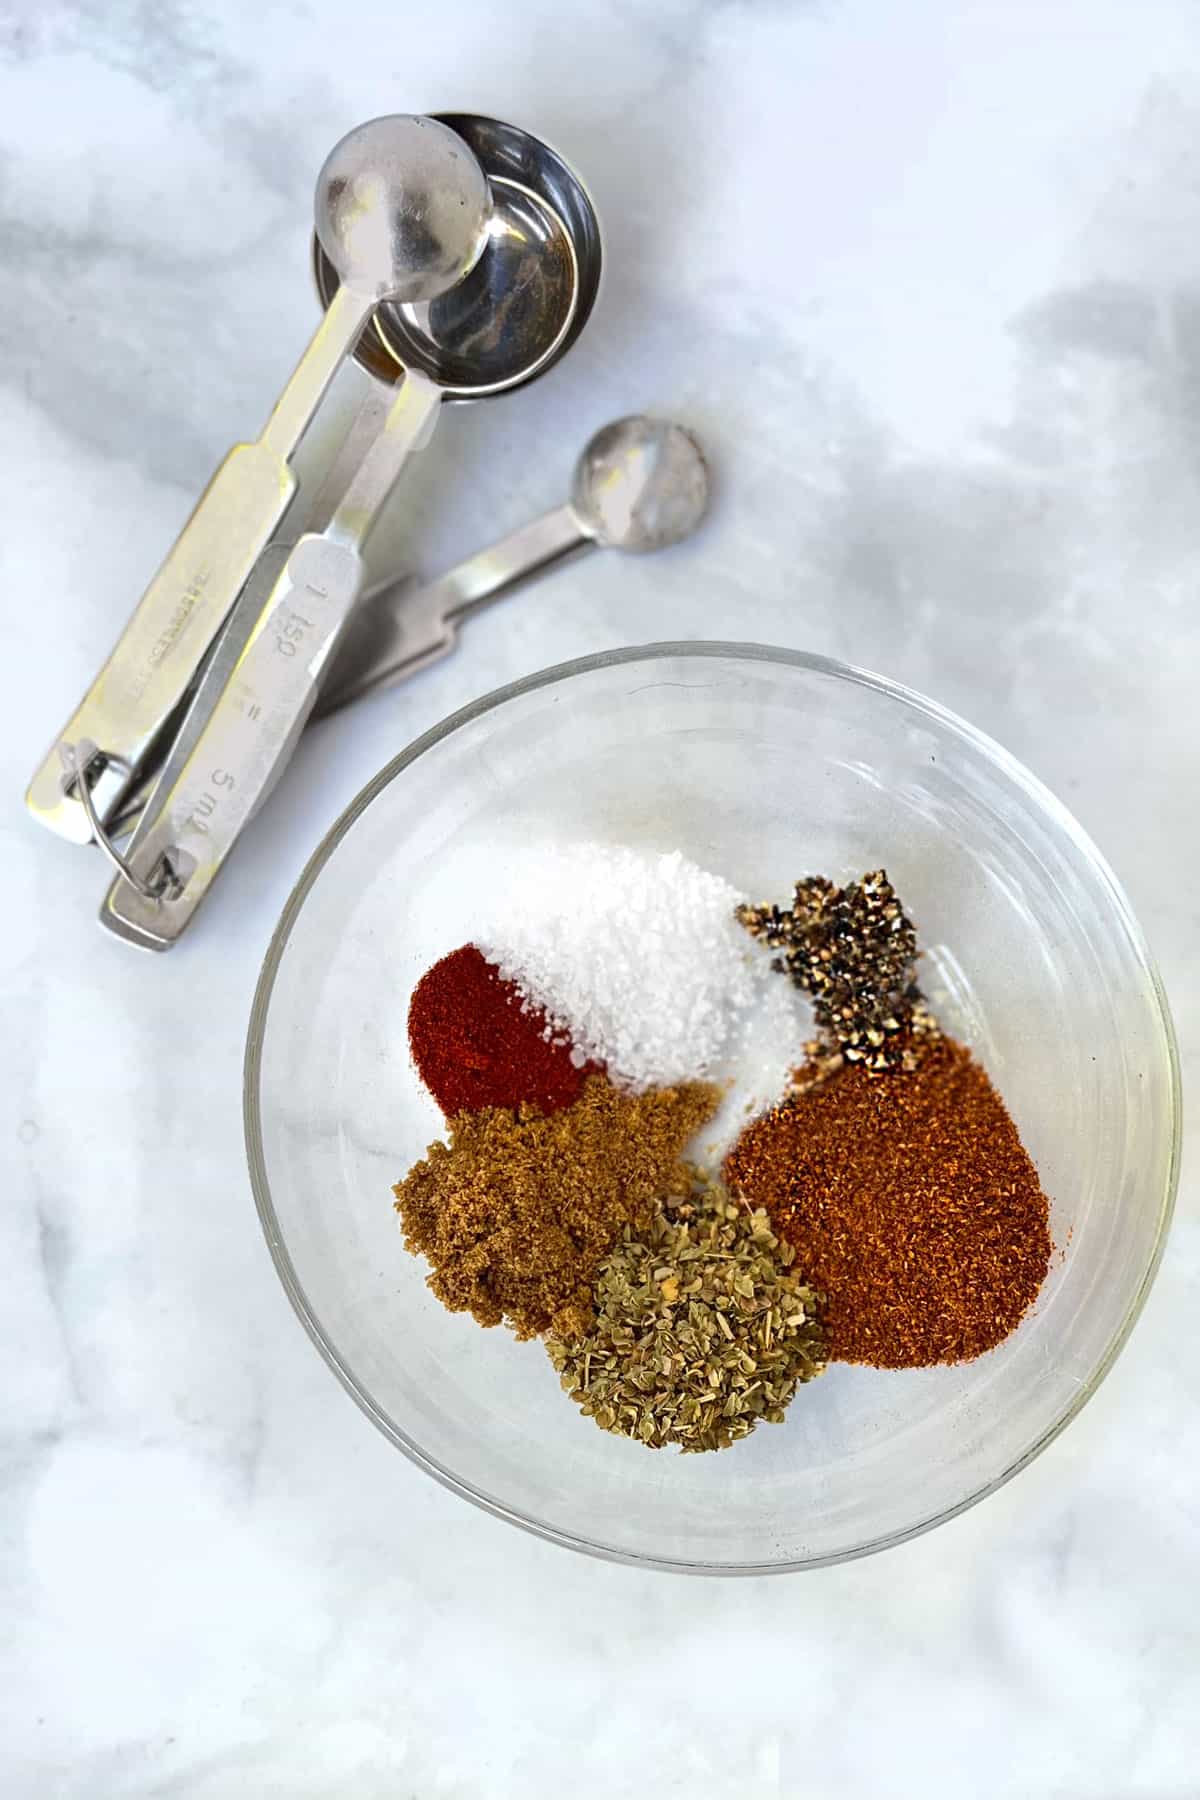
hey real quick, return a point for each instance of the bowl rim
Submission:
(699, 650)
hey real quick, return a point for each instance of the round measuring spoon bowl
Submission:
(402, 209)
(640, 484)
(529, 297)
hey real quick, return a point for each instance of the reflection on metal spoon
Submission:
(640, 485)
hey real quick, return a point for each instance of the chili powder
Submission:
(477, 1043)
(912, 1205)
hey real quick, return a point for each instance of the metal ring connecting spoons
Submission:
(403, 211)
(85, 756)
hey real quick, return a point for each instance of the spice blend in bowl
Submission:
(761, 766)
(883, 1211)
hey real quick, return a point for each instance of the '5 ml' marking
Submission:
(206, 805)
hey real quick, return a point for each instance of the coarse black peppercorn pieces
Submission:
(854, 949)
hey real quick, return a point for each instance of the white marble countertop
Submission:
(927, 280)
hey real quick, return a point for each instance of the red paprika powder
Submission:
(476, 1043)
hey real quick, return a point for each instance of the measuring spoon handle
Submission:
(154, 661)
(398, 629)
(187, 832)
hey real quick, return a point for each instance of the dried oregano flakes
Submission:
(702, 1330)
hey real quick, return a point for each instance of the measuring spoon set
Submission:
(457, 258)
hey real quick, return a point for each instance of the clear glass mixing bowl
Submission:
(762, 765)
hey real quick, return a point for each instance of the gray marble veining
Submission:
(955, 420)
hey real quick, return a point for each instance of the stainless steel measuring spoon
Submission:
(188, 830)
(402, 211)
(507, 320)
(639, 485)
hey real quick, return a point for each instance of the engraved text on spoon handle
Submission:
(397, 628)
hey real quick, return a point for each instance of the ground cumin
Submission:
(516, 1213)
(912, 1205)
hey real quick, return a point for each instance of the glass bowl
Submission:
(762, 765)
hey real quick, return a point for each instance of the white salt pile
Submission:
(636, 956)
